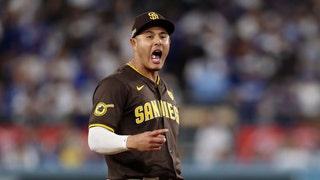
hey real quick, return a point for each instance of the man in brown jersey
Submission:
(135, 118)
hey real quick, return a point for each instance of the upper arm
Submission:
(108, 104)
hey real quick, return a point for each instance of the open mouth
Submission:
(156, 56)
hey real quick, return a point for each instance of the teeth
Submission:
(153, 56)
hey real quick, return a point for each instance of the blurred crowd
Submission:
(257, 59)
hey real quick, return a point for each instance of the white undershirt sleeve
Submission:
(103, 141)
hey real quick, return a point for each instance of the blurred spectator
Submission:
(214, 138)
(258, 143)
(261, 57)
(72, 148)
(291, 156)
(307, 92)
(19, 148)
(207, 81)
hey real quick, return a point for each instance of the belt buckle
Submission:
(150, 178)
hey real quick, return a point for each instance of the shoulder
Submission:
(121, 80)
(119, 77)
(114, 82)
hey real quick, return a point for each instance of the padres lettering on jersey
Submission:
(154, 109)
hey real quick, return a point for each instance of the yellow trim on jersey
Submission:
(101, 125)
(158, 77)
(134, 68)
(158, 80)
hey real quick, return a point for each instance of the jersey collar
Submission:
(158, 77)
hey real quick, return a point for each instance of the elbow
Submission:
(96, 148)
(92, 145)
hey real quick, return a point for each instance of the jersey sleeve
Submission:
(108, 102)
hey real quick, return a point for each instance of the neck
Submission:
(152, 75)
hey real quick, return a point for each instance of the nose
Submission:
(158, 41)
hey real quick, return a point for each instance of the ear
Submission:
(133, 42)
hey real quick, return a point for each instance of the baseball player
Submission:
(135, 118)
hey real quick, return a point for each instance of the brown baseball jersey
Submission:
(128, 103)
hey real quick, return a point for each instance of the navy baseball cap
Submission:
(149, 19)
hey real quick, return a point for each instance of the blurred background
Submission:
(246, 74)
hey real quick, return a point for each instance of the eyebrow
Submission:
(152, 32)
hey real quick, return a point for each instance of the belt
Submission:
(152, 178)
(146, 178)
(149, 178)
